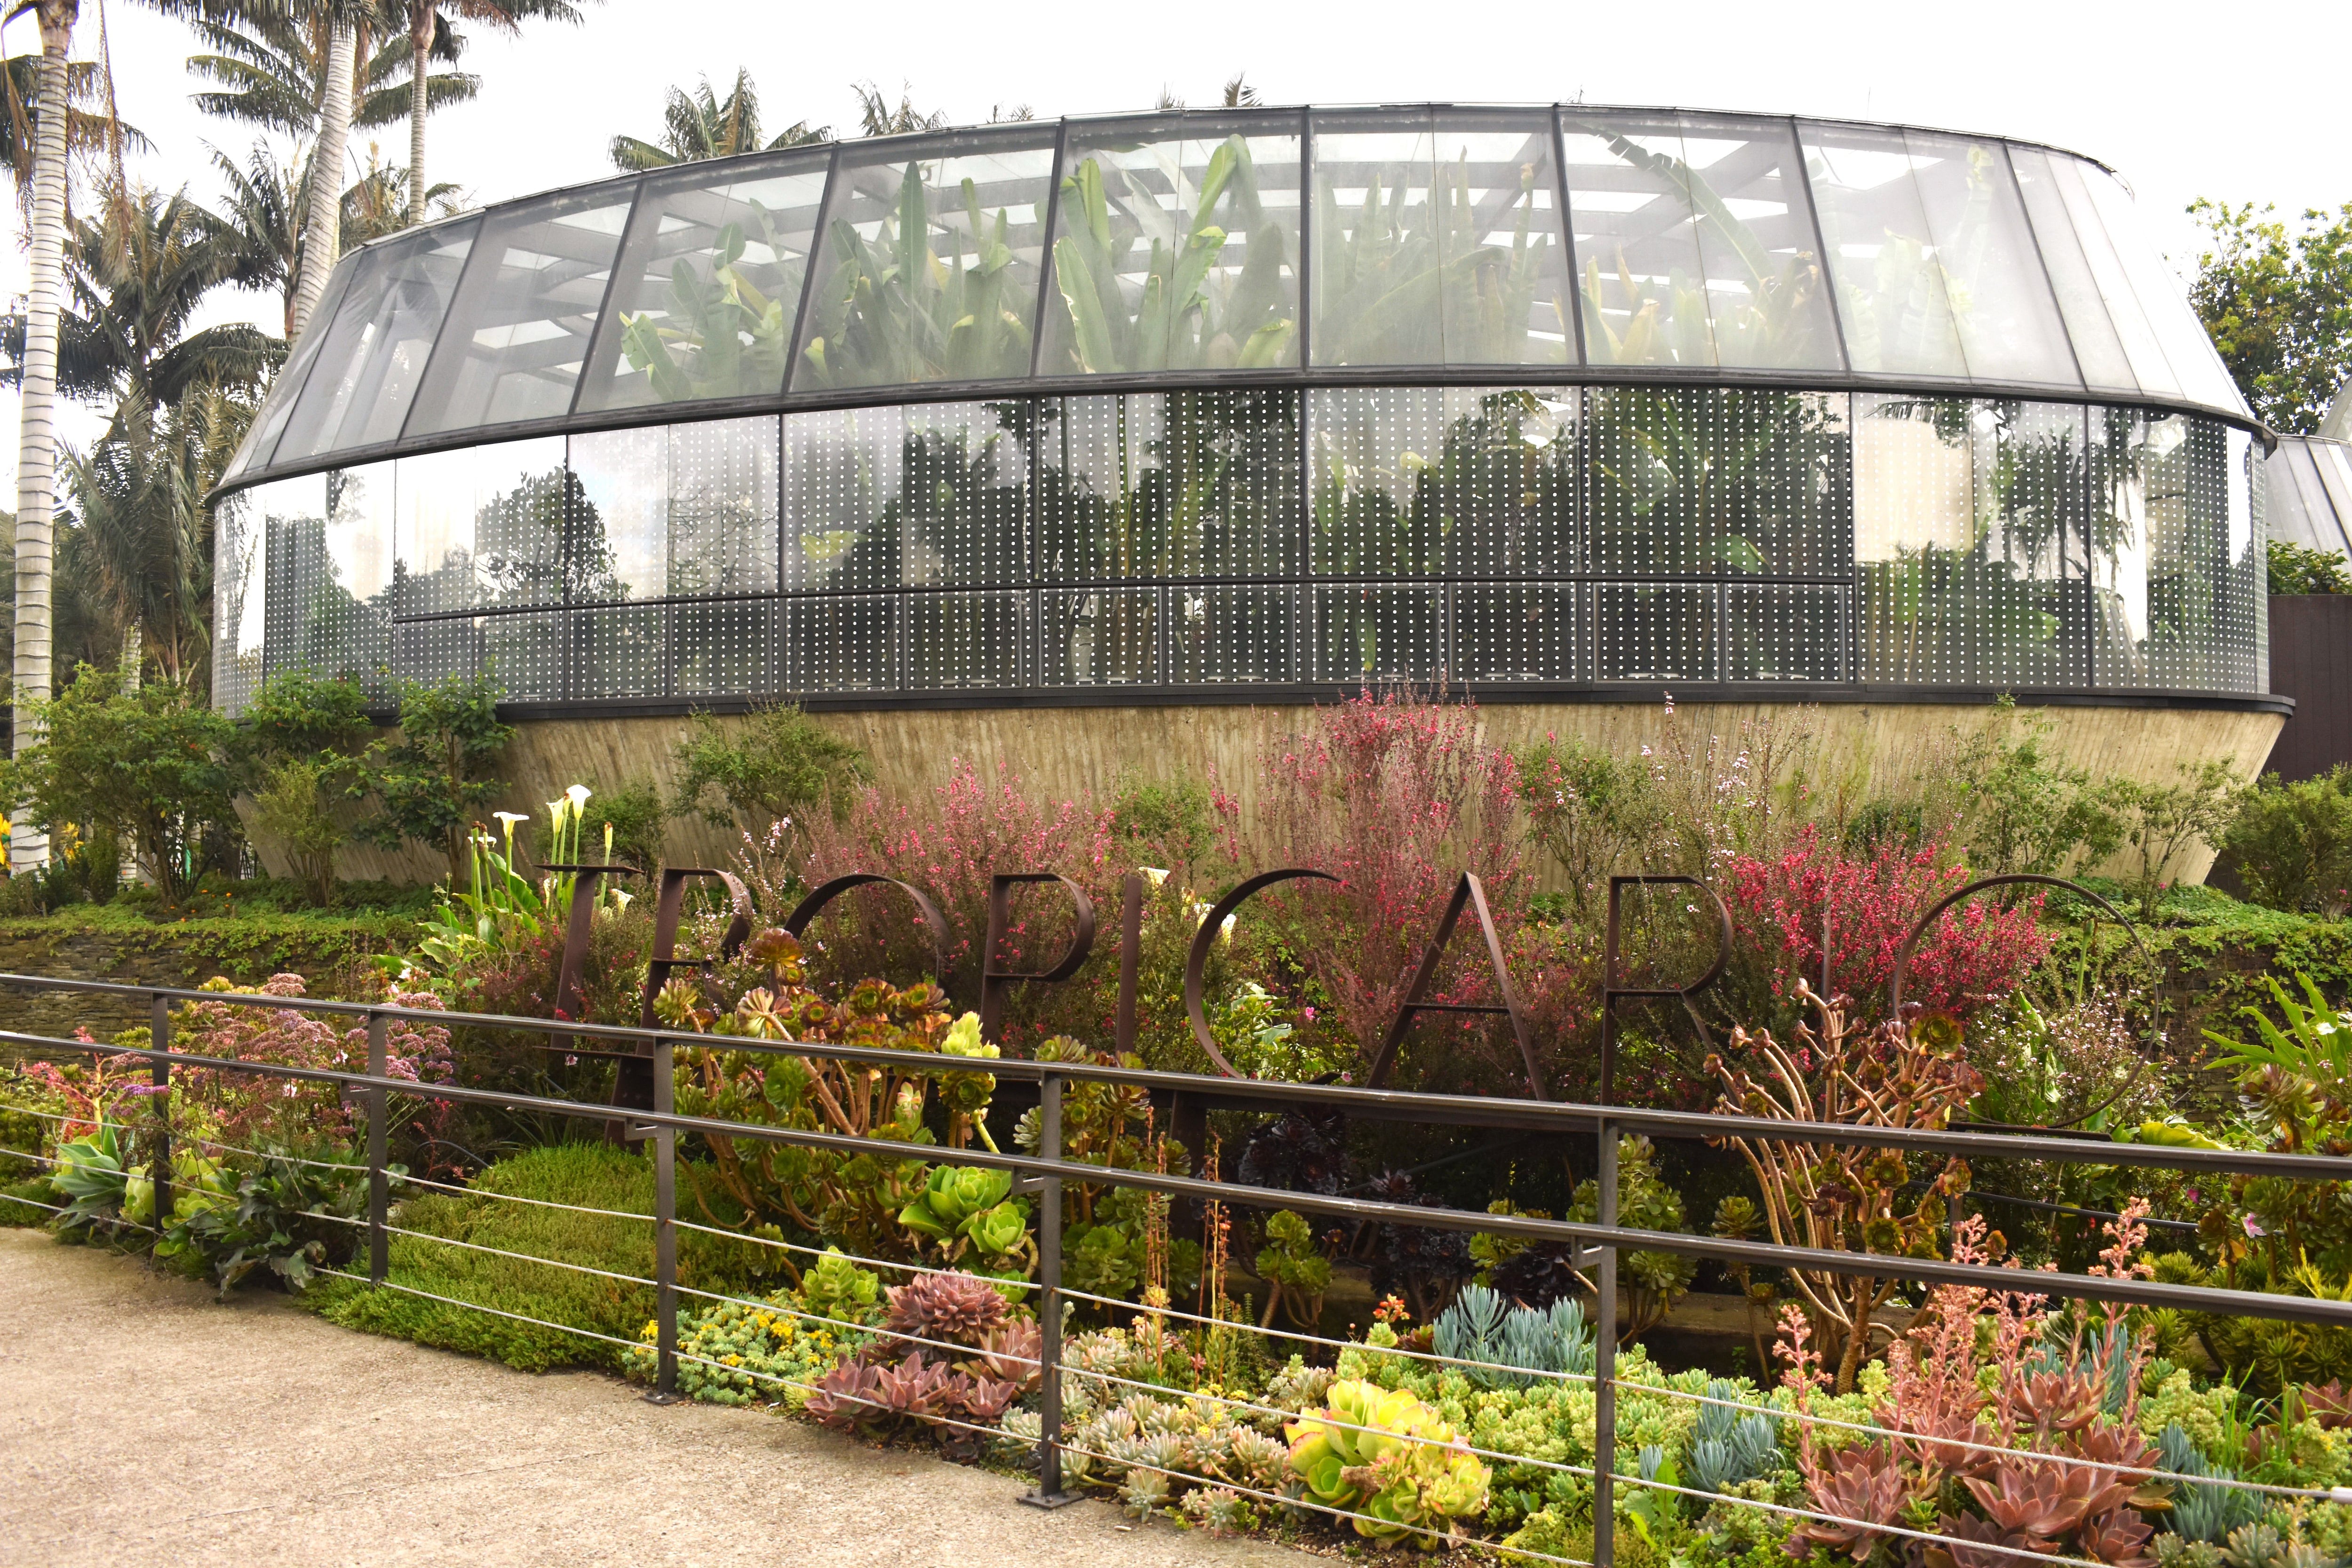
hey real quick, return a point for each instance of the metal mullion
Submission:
(1045, 280)
(604, 302)
(1804, 180)
(1568, 234)
(828, 209)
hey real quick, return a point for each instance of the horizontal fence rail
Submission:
(1044, 1174)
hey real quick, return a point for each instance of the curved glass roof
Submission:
(1422, 244)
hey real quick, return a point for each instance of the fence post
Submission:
(379, 1031)
(1604, 1369)
(1049, 1492)
(159, 1167)
(665, 1231)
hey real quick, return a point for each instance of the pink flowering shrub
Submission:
(244, 1106)
(950, 845)
(1975, 952)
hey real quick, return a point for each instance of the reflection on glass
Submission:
(1433, 479)
(929, 269)
(1654, 631)
(888, 498)
(481, 525)
(621, 651)
(2173, 563)
(722, 507)
(1695, 243)
(286, 389)
(373, 349)
(1169, 485)
(1176, 252)
(2195, 368)
(1438, 244)
(2098, 348)
(1219, 635)
(525, 309)
(1967, 529)
(338, 574)
(963, 640)
(238, 638)
(616, 522)
(709, 286)
(1783, 633)
(526, 654)
(1725, 482)
(1935, 267)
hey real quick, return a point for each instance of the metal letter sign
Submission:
(1611, 990)
(1471, 893)
(928, 912)
(993, 980)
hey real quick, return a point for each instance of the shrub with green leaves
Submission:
(433, 781)
(775, 764)
(2299, 569)
(771, 1350)
(2291, 843)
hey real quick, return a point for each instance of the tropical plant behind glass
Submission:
(893, 310)
(1768, 319)
(722, 335)
(1189, 312)
(1409, 281)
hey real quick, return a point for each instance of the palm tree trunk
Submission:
(322, 239)
(421, 15)
(36, 446)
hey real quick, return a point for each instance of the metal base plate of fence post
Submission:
(658, 1397)
(1051, 1499)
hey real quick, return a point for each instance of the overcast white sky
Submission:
(2231, 101)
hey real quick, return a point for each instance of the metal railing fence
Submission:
(1044, 1173)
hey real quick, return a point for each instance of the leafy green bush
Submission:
(594, 1176)
(432, 783)
(2161, 823)
(2299, 569)
(623, 823)
(777, 763)
(2291, 843)
(290, 809)
(150, 766)
(298, 714)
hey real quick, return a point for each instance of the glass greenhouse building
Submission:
(1546, 404)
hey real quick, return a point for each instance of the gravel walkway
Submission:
(141, 1422)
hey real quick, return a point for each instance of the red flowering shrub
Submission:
(949, 846)
(1397, 796)
(1976, 951)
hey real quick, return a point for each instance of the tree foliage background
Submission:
(2278, 304)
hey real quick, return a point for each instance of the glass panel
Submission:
(722, 507)
(1428, 480)
(964, 639)
(1380, 631)
(1519, 632)
(1695, 243)
(839, 645)
(344, 580)
(2187, 348)
(526, 654)
(481, 526)
(238, 602)
(1701, 480)
(1175, 249)
(524, 313)
(2150, 369)
(428, 652)
(2173, 551)
(622, 651)
(880, 498)
(1893, 299)
(293, 520)
(1438, 243)
(616, 516)
(1993, 276)
(1095, 637)
(1176, 484)
(1967, 518)
(1231, 633)
(728, 648)
(285, 387)
(709, 285)
(1646, 631)
(2097, 348)
(374, 348)
(1783, 633)
(2244, 664)
(930, 267)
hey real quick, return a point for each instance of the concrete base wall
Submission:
(1073, 752)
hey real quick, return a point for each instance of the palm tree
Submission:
(92, 134)
(264, 213)
(881, 120)
(136, 275)
(426, 27)
(137, 558)
(270, 71)
(700, 124)
(322, 241)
